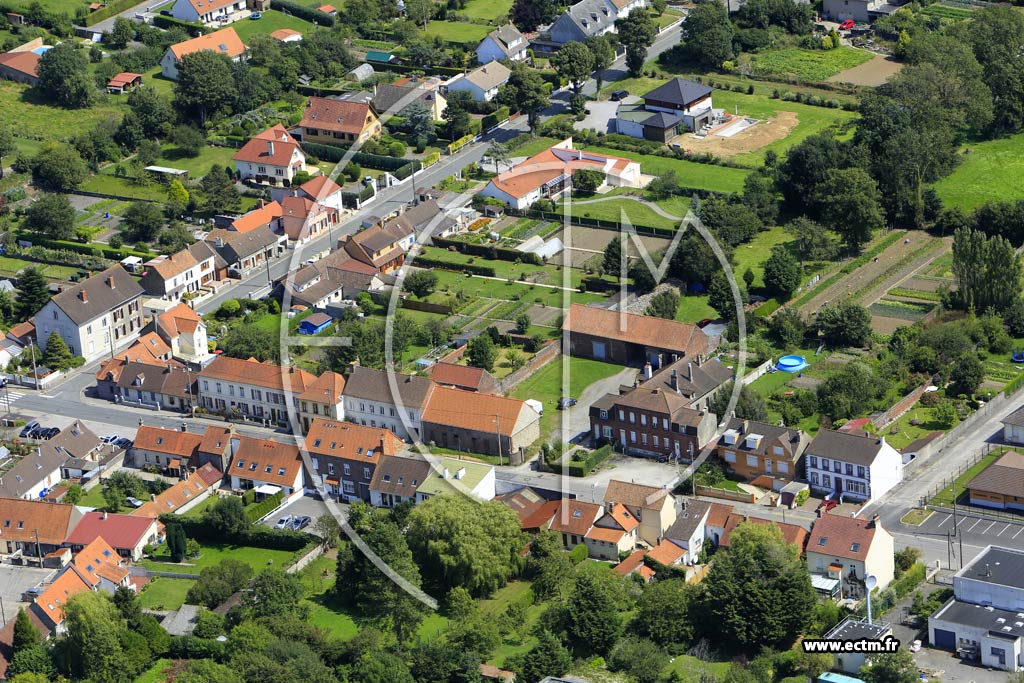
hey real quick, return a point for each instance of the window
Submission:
(643, 419)
(268, 468)
(849, 470)
(366, 473)
(826, 481)
(622, 416)
(632, 437)
(752, 461)
(606, 432)
(664, 423)
(813, 461)
(730, 456)
(656, 444)
(783, 467)
(347, 469)
(330, 468)
(604, 414)
(814, 478)
(824, 463)
(253, 466)
(632, 418)
(643, 438)
(860, 471)
(837, 466)
(855, 548)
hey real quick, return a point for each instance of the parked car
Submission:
(619, 95)
(301, 522)
(110, 438)
(49, 433)
(283, 522)
(566, 403)
(124, 443)
(36, 433)
(846, 25)
(134, 502)
(27, 429)
(705, 322)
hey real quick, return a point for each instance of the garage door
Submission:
(599, 350)
(944, 640)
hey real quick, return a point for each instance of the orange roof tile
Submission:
(685, 338)
(841, 536)
(180, 494)
(575, 516)
(284, 33)
(20, 520)
(54, 598)
(718, 515)
(179, 320)
(260, 216)
(25, 62)
(341, 116)
(266, 460)
(273, 147)
(122, 79)
(320, 187)
(256, 373)
(634, 563)
(791, 533)
(99, 560)
(224, 41)
(327, 388)
(546, 166)
(169, 441)
(473, 410)
(351, 441)
(666, 552)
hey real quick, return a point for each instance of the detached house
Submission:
(1013, 427)
(272, 157)
(168, 449)
(396, 99)
(852, 466)
(377, 247)
(548, 174)
(303, 219)
(847, 550)
(345, 455)
(328, 121)
(206, 11)
(585, 19)
(667, 111)
(503, 43)
(225, 42)
(184, 330)
(126, 534)
(457, 476)
(483, 82)
(266, 466)
(96, 317)
(654, 508)
(755, 450)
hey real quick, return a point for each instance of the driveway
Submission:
(579, 415)
(600, 115)
(307, 505)
(15, 580)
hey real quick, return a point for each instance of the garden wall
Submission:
(543, 357)
(897, 409)
(306, 559)
(726, 494)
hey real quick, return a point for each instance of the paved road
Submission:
(150, 5)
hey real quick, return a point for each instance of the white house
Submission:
(503, 43)
(265, 465)
(272, 157)
(205, 11)
(482, 83)
(548, 174)
(225, 42)
(170, 276)
(848, 550)
(852, 466)
(1013, 427)
(689, 529)
(982, 621)
(96, 317)
(369, 400)
(184, 330)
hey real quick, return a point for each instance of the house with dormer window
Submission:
(265, 465)
(502, 43)
(345, 455)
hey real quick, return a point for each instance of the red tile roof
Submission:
(841, 536)
(340, 116)
(259, 374)
(473, 411)
(20, 520)
(123, 532)
(791, 533)
(634, 563)
(273, 147)
(462, 376)
(179, 320)
(122, 79)
(258, 217)
(327, 388)
(659, 333)
(320, 187)
(575, 517)
(169, 441)
(351, 441)
(225, 42)
(266, 460)
(547, 166)
(25, 62)
(284, 33)
(99, 560)
(718, 515)
(666, 552)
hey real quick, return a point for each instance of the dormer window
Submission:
(241, 464)
(253, 466)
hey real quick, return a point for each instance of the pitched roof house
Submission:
(345, 455)
(483, 82)
(166, 448)
(793, 534)
(205, 11)
(330, 121)
(20, 67)
(36, 473)
(257, 463)
(852, 466)
(1001, 484)
(169, 386)
(303, 219)
(331, 280)
(548, 174)
(479, 423)
(652, 423)
(848, 549)
(49, 605)
(265, 215)
(585, 19)
(369, 399)
(96, 317)
(654, 507)
(125, 533)
(628, 338)
(184, 330)
(504, 42)
(272, 157)
(396, 478)
(244, 252)
(463, 377)
(225, 42)
(183, 495)
(34, 527)
(248, 387)
(187, 271)
(756, 449)
(396, 99)
(1013, 427)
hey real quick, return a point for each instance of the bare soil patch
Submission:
(873, 73)
(883, 325)
(750, 140)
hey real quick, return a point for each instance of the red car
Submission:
(846, 25)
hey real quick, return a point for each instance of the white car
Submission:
(915, 646)
(110, 438)
(284, 522)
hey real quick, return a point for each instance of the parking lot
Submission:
(307, 505)
(15, 580)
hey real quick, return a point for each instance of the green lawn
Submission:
(271, 21)
(25, 110)
(689, 667)
(905, 433)
(754, 253)
(808, 65)
(93, 498)
(122, 187)
(257, 558)
(486, 10)
(989, 171)
(546, 385)
(535, 146)
(67, 7)
(156, 673)
(956, 489)
(693, 309)
(197, 166)
(688, 173)
(154, 78)
(164, 593)
(457, 32)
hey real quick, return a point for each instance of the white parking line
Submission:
(945, 519)
(976, 523)
(988, 527)
(1002, 530)
(1018, 532)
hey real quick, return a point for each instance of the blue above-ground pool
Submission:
(1017, 356)
(791, 363)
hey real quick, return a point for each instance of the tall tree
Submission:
(707, 35)
(143, 221)
(895, 667)
(527, 15)
(603, 49)
(813, 242)
(63, 72)
(274, 593)
(525, 92)
(59, 167)
(92, 646)
(25, 634)
(461, 542)
(205, 87)
(481, 352)
(457, 117)
(593, 621)
(57, 355)
(217, 192)
(987, 271)
(749, 405)
(746, 619)
(33, 292)
(574, 62)
(997, 37)
(612, 259)
(664, 304)
(120, 35)
(419, 123)
(499, 154)
(665, 612)
(849, 202)
(781, 273)
(547, 658)
(844, 324)
(52, 215)
(636, 32)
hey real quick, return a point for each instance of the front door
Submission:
(599, 350)
(767, 466)
(839, 485)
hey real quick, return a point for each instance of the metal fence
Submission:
(961, 469)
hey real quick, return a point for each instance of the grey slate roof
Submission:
(75, 441)
(398, 475)
(1016, 418)
(852, 448)
(373, 385)
(691, 379)
(688, 520)
(504, 36)
(592, 16)
(679, 91)
(103, 291)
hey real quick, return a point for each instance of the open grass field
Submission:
(122, 187)
(268, 23)
(67, 7)
(809, 65)
(693, 309)
(754, 253)
(459, 33)
(257, 558)
(154, 78)
(486, 10)
(163, 593)
(535, 146)
(23, 109)
(688, 173)
(546, 385)
(156, 673)
(989, 171)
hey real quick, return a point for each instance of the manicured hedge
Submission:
(581, 468)
(190, 647)
(488, 251)
(491, 120)
(256, 536)
(264, 507)
(398, 167)
(303, 12)
(427, 262)
(86, 248)
(191, 28)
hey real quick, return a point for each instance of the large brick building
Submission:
(652, 422)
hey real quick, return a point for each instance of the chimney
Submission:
(689, 371)
(874, 521)
(83, 296)
(103, 516)
(648, 372)
(234, 443)
(270, 148)
(110, 282)
(674, 382)
(218, 242)
(746, 426)
(263, 204)
(608, 505)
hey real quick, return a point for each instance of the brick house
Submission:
(651, 422)
(479, 423)
(755, 449)
(630, 339)
(346, 455)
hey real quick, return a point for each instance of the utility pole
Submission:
(949, 551)
(32, 350)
